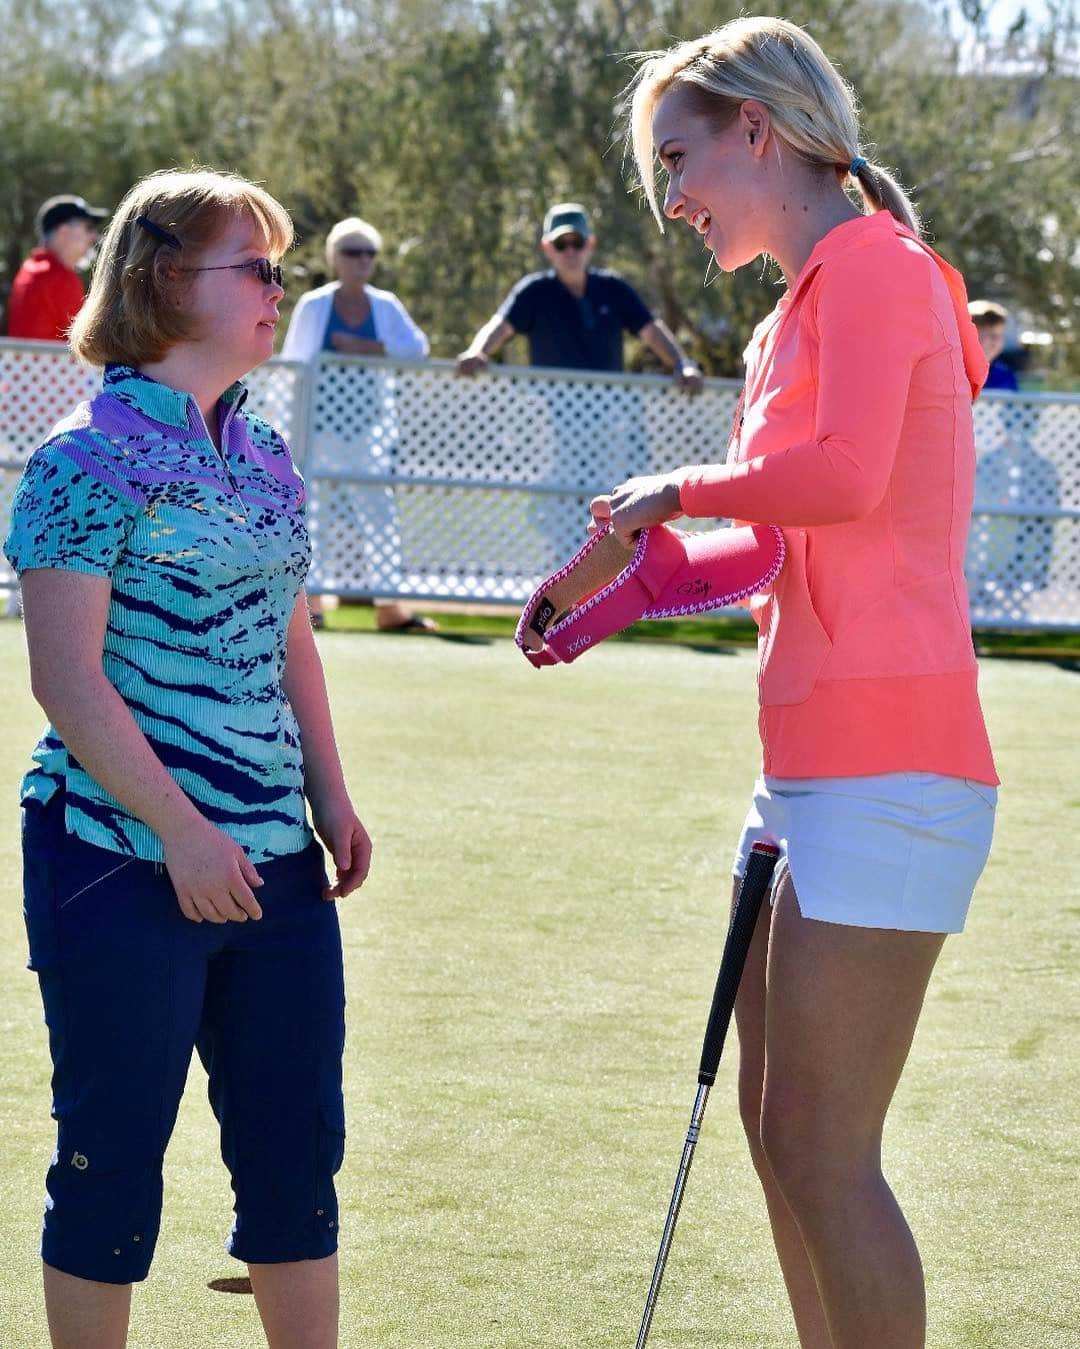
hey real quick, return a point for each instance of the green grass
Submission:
(529, 970)
(698, 632)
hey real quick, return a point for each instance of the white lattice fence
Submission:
(40, 383)
(426, 485)
(1023, 560)
(491, 477)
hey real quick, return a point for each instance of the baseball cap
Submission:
(59, 210)
(567, 218)
(987, 310)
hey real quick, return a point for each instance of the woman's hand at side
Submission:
(637, 504)
(211, 875)
(348, 843)
(336, 823)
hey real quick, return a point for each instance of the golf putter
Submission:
(755, 886)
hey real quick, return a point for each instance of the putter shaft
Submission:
(673, 1212)
(756, 881)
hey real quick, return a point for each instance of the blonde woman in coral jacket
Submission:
(855, 435)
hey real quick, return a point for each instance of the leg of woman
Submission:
(272, 1039)
(82, 1313)
(298, 1302)
(121, 977)
(794, 1262)
(842, 1004)
(392, 615)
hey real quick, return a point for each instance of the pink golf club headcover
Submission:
(606, 586)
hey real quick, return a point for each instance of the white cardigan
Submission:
(393, 326)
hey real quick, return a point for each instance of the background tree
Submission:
(453, 124)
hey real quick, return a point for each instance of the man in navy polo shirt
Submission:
(574, 317)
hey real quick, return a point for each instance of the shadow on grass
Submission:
(708, 648)
(722, 635)
(465, 638)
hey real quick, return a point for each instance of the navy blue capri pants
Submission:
(130, 987)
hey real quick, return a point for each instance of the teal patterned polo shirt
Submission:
(206, 552)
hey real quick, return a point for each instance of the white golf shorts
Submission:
(895, 850)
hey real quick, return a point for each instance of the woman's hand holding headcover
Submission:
(637, 504)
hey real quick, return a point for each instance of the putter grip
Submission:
(755, 886)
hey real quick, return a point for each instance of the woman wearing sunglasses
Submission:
(353, 318)
(175, 895)
(855, 435)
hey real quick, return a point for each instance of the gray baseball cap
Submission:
(567, 218)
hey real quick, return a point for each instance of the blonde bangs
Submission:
(270, 217)
(649, 86)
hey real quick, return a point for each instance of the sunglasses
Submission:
(268, 272)
(568, 241)
(357, 251)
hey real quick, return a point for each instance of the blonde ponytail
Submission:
(881, 192)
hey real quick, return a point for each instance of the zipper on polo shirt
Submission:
(221, 453)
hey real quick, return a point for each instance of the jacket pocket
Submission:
(907, 631)
(793, 642)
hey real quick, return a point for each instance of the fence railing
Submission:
(424, 485)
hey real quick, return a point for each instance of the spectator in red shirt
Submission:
(47, 292)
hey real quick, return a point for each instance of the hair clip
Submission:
(158, 233)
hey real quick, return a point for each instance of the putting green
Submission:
(529, 972)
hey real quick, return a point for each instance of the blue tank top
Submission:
(338, 325)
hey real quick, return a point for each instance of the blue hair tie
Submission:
(856, 164)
